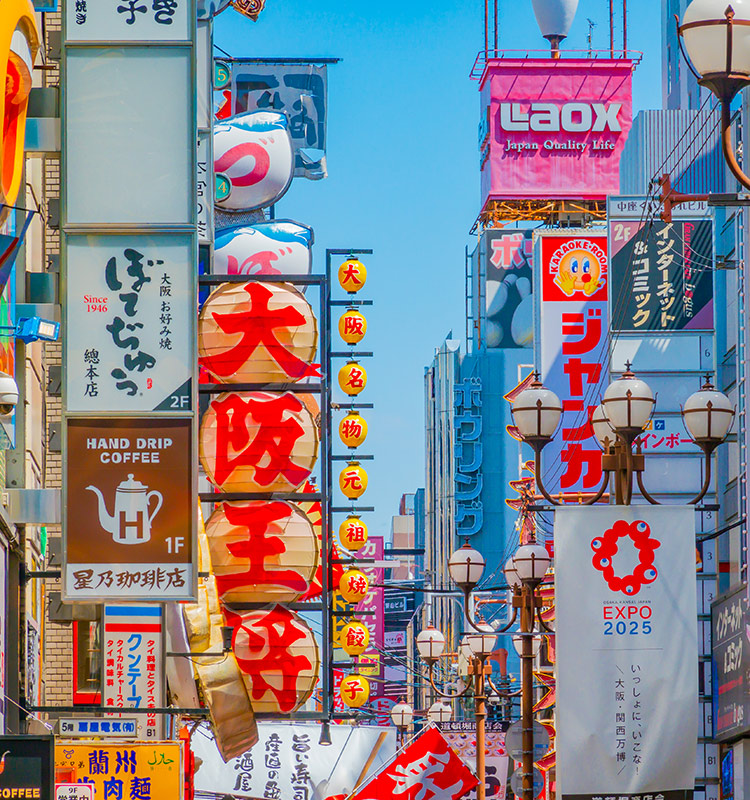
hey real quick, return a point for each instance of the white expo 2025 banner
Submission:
(627, 652)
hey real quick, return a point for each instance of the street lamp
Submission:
(525, 572)
(617, 424)
(716, 34)
(440, 711)
(402, 715)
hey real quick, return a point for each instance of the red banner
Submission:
(427, 768)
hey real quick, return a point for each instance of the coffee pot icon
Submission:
(131, 522)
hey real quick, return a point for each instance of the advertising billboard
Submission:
(122, 769)
(731, 665)
(129, 513)
(627, 639)
(507, 267)
(130, 341)
(661, 274)
(27, 767)
(554, 129)
(299, 90)
(572, 350)
(133, 657)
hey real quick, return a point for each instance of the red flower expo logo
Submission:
(605, 547)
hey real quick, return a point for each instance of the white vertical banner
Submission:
(627, 652)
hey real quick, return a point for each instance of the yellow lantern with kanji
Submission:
(352, 378)
(353, 480)
(258, 442)
(257, 332)
(353, 533)
(262, 551)
(352, 275)
(353, 429)
(354, 586)
(354, 638)
(354, 691)
(278, 657)
(352, 326)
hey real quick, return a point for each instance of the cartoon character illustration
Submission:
(579, 271)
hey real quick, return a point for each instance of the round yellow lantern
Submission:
(353, 533)
(352, 326)
(354, 691)
(353, 480)
(262, 551)
(354, 586)
(258, 442)
(353, 429)
(352, 378)
(352, 275)
(257, 333)
(354, 638)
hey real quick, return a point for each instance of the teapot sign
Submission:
(131, 522)
(129, 519)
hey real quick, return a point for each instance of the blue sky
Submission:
(404, 174)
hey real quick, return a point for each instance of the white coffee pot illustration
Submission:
(131, 522)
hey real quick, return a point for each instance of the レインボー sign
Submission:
(129, 510)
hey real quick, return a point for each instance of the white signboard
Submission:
(130, 316)
(120, 728)
(204, 184)
(128, 20)
(74, 791)
(627, 652)
(133, 655)
(288, 763)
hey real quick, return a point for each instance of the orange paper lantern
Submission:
(353, 429)
(354, 586)
(354, 691)
(353, 533)
(354, 638)
(352, 275)
(257, 333)
(278, 658)
(352, 378)
(352, 326)
(262, 552)
(258, 442)
(353, 480)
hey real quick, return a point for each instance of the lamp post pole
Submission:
(480, 716)
(527, 684)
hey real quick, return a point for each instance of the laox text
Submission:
(570, 117)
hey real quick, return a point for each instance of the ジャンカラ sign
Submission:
(129, 512)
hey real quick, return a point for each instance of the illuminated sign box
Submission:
(554, 129)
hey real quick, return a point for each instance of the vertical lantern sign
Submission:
(129, 252)
(257, 443)
(351, 634)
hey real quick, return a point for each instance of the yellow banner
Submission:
(123, 770)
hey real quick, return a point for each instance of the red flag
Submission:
(427, 768)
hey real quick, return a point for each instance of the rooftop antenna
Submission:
(590, 37)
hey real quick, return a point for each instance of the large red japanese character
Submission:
(576, 458)
(257, 332)
(589, 331)
(261, 551)
(277, 654)
(258, 441)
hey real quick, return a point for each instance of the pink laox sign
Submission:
(555, 128)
